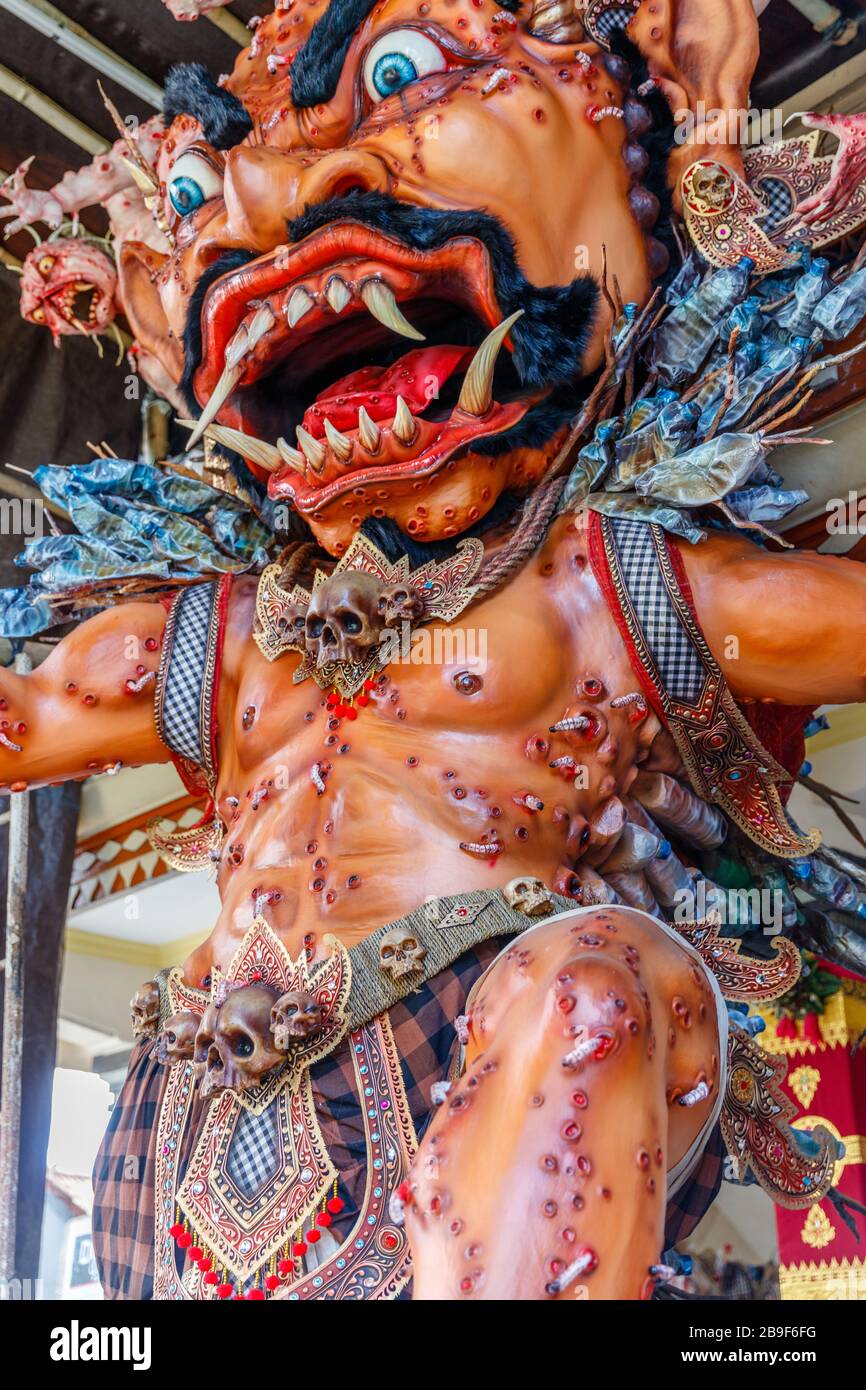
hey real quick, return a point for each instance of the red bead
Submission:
(184, 1241)
(335, 1204)
(313, 1235)
(368, 684)
(362, 700)
(351, 712)
(206, 1265)
(299, 1248)
(211, 1277)
(272, 1282)
(323, 1219)
(195, 1253)
(287, 1266)
(340, 710)
(332, 700)
(175, 1230)
(225, 1290)
(255, 1295)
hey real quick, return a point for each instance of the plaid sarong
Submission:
(423, 1028)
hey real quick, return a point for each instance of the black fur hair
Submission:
(316, 70)
(550, 338)
(192, 343)
(190, 90)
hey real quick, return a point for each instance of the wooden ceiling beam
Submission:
(62, 30)
(47, 110)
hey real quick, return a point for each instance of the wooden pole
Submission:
(13, 1018)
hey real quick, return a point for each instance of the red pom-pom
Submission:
(272, 1281)
(786, 1028)
(404, 1192)
(351, 712)
(225, 1290)
(195, 1253)
(175, 1230)
(206, 1265)
(299, 1248)
(323, 1219)
(335, 1204)
(313, 1235)
(368, 684)
(362, 700)
(184, 1240)
(811, 1031)
(211, 1277)
(339, 710)
(255, 1295)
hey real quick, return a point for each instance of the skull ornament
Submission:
(343, 620)
(242, 1052)
(177, 1039)
(295, 1016)
(400, 603)
(529, 896)
(712, 185)
(144, 1008)
(400, 953)
(204, 1039)
(291, 624)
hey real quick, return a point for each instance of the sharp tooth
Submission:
(245, 337)
(337, 294)
(256, 449)
(313, 451)
(300, 303)
(405, 427)
(224, 387)
(476, 393)
(368, 432)
(293, 457)
(340, 443)
(383, 306)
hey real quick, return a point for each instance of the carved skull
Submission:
(529, 896)
(713, 185)
(343, 620)
(400, 603)
(242, 1052)
(177, 1039)
(144, 1008)
(295, 1015)
(291, 623)
(204, 1039)
(400, 953)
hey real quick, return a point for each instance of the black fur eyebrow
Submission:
(318, 65)
(190, 90)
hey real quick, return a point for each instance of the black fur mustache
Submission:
(551, 337)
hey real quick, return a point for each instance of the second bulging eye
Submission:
(193, 182)
(398, 58)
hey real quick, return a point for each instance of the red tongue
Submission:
(418, 377)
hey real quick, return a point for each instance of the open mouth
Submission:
(78, 303)
(351, 358)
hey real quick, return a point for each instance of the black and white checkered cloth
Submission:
(678, 663)
(778, 198)
(254, 1157)
(181, 709)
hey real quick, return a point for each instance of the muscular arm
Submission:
(789, 627)
(90, 705)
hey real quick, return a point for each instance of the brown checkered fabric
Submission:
(423, 1029)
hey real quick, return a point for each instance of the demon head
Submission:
(69, 286)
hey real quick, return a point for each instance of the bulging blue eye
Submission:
(393, 71)
(397, 58)
(186, 195)
(193, 181)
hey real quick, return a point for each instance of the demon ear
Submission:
(138, 267)
(702, 55)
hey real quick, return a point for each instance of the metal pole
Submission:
(13, 1016)
(51, 22)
